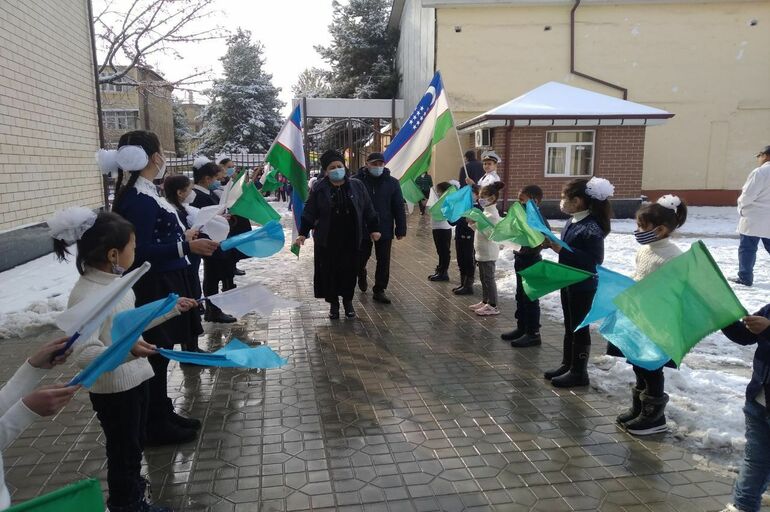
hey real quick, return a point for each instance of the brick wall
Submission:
(618, 156)
(48, 115)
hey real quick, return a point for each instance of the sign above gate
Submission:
(352, 108)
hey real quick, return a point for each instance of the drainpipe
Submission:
(507, 171)
(572, 57)
(100, 125)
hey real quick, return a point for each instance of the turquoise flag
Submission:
(127, 326)
(635, 345)
(536, 222)
(611, 284)
(235, 354)
(458, 203)
(257, 243)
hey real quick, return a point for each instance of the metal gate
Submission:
(354, 138)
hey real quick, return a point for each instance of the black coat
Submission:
(586, 239)
(475, 172)
(318, 210)
(203, 199)
(388, 201)
(760, 377)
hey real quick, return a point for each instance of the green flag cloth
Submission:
(482, 222)
(253, 206)
(411, 191)
(83, 496)
(435, 210)
(683, 301)
(270, 181)
(546, 276)
(515, 228)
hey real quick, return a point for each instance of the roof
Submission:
(557, 104)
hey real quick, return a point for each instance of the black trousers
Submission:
(465, 255)
(575, 305)
(442, 239)
(652, 381)
(215, 271)
(123, 417)
(382, 253)
(159, 406)
(527, 311)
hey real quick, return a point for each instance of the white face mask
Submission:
(189, 198)
(161, 170)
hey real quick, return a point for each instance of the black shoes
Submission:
(527, 340)
(738, 280)
(512, 335)
(363, 285)
(214, 314)
(381, 298)
(239, 272)
(466, 288)
(349, 311)
(334, 311)
(578, 369)
(439, 277)
(188, 423)
(168, 433)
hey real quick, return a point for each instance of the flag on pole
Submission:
(83, 496)
(683, 301)
(252, 205)
(546, 276)
(514, 228)
(409, 154)
(257, 243)
(637, 348)
(84, 318)
(252, 297)
(537, 222)
(456, 204)
(610, 285)
(233, 190)
(435, 203)
(236, 354)
(287, 156)
(483, 224)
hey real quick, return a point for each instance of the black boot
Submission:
(349, 311)
(439, 276)
(181, 421)
(635, 410)
(334, 310)
(512, 335)
(578, 370)
(164, 432)
(214, 314)
(462, 283)
(378, 296)
(467, 287)
(565, 359)
(527, 340)
(652, 419)
(363, 284)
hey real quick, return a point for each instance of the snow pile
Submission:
(707, 392)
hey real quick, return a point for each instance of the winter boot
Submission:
(527, 340)
(518, 332)
(349, 311)
(652, 419)
(214, 314)
(167, 433)
(439, 276)
(636, 407)
(334, 310)
(578, 369)
(181, 421)
(565, 359)
(466, 288)
(462, 283)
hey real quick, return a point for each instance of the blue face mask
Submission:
(230, 171)
(337, 174)
(215, 185)
(376, 171)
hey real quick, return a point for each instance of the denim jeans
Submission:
(747, 256)
(755, 471)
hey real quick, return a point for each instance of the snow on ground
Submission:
(707, 392)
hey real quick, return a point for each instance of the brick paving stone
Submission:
(416, 406)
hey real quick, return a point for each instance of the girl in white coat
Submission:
(487, 251)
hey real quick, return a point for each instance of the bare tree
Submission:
(130, 31)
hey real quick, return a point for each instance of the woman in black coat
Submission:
(340, 214)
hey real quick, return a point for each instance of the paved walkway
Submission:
(416, 406)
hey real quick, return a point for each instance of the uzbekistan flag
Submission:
(287, 156)
(409, 154)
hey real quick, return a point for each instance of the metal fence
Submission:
(183, 165)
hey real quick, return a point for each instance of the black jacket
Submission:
(202, 200)
(760, 377)
(388, 201)
(318, 209)
(475, 172)
(586, 239)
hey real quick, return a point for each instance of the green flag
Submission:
(411, 191)
(482, 222)
(83, 496)
(515, 228)
(435, 210)
(253, 206)
(683, 301)
(546, 276)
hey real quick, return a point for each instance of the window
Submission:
(569, 153)
(114, 87)
(120, 119)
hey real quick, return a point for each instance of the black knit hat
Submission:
(329, 157)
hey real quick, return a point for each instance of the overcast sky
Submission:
(288, 29)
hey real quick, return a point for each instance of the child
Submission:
(755, 471)
(442, 238)
(105, 248)
(655, 222)
(527, 332)
(587, 201)
(487, 251)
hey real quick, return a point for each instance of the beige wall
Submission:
(48, 114)
(703, 62)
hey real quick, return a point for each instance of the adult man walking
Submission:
(754, 224)
(385, 192)
(464, 235)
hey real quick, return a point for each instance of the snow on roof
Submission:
(557, 104)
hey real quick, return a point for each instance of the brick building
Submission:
(556, 133)
(148, 105)
(48, 121)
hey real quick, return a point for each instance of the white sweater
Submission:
(15, 415)
(652, 256)
(754, 203)
(135, 370)
(486, 249)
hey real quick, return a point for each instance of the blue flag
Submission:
(257, 243)
(235, 354)
(536, 222)
(127, 326)
(635, 345)
(456, 204)
(610, 285)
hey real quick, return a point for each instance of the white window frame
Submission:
(568, 149)
(120, 111)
